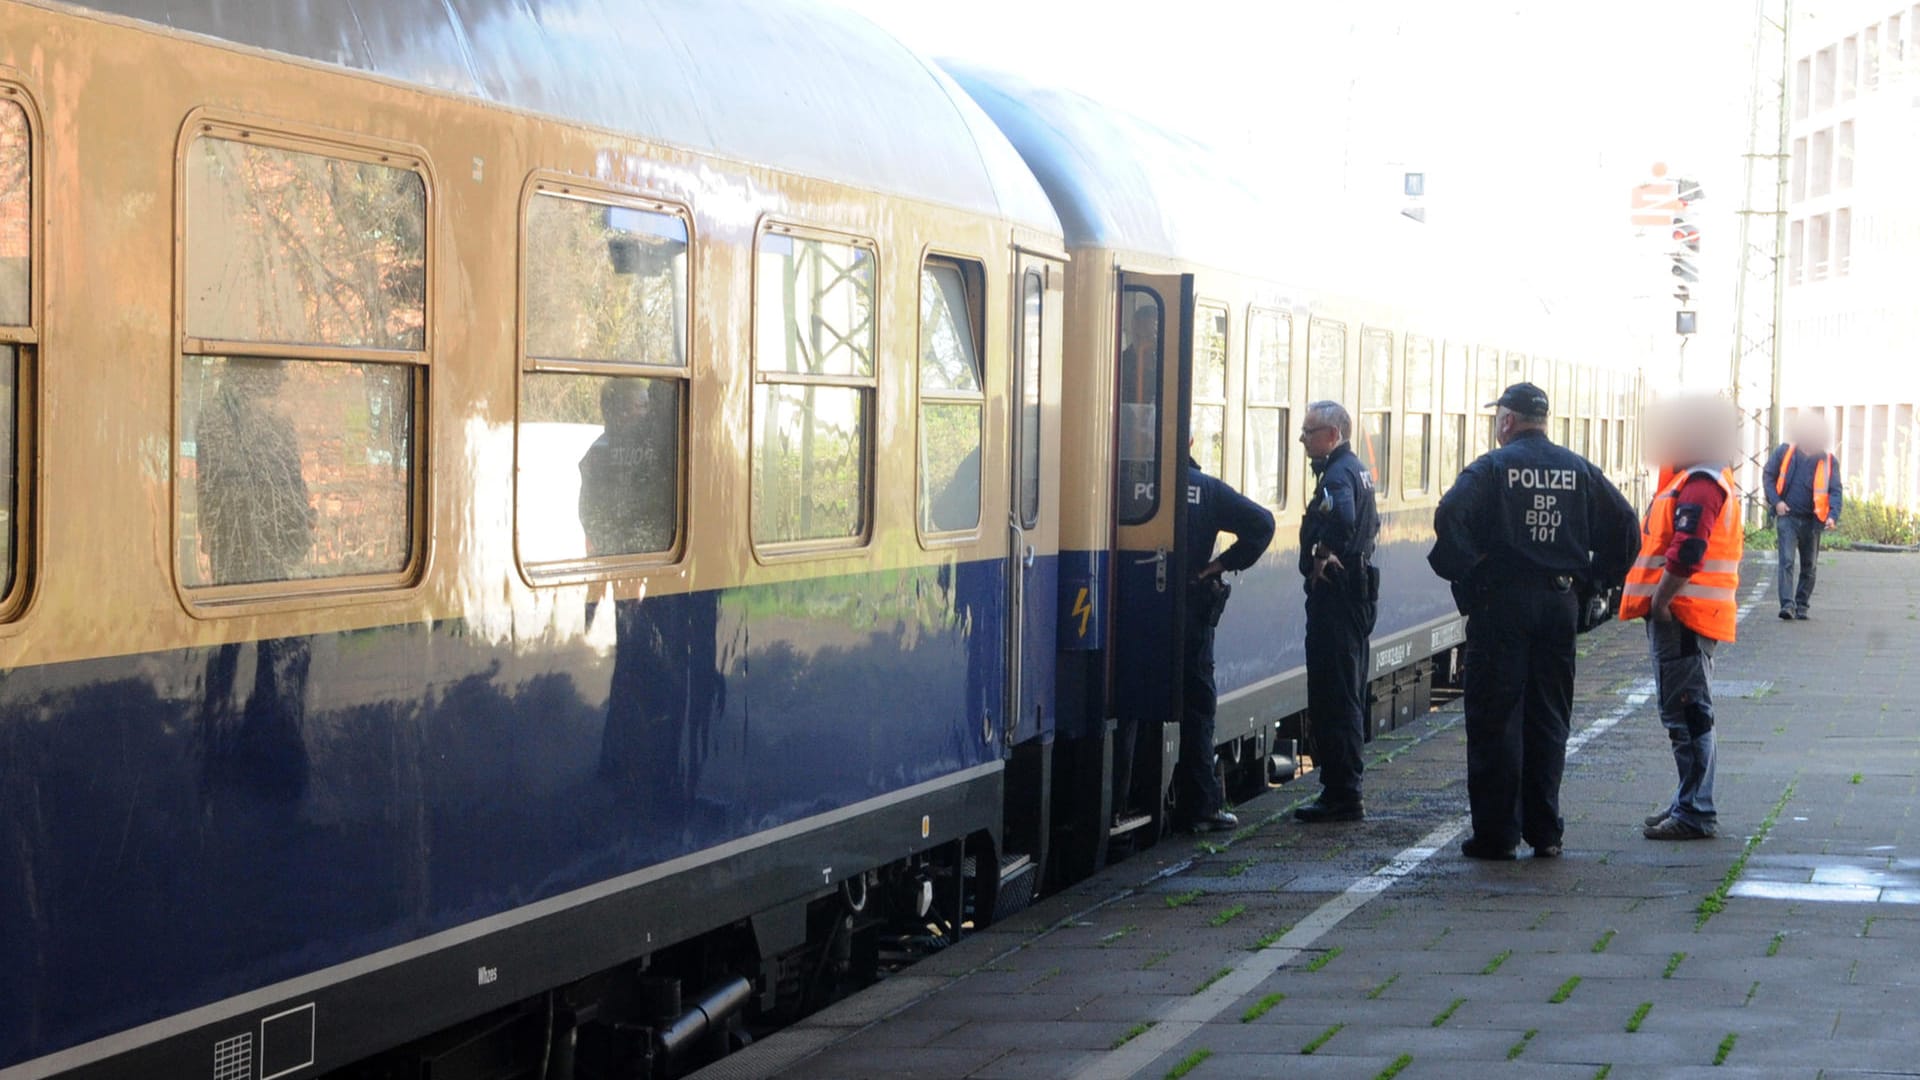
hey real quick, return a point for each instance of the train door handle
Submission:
(1026, 560)
(1159, 561)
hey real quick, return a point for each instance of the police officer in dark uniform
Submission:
(1212, 508)
(1337, 535)
(1527, 535)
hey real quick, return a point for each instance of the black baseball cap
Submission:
(1524, 399)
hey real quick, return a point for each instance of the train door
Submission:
(1033, 526)
(1033, 566)
(1155, 347)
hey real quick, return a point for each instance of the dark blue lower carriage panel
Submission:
(178, 829)
(367, 1005)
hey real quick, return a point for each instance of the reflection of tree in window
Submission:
(293, 248)
(16, 215)
(302, 249)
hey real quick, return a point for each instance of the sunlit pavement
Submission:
(1785, 947)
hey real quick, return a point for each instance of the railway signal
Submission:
(1685, 254)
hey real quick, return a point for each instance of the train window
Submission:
(1487, 369)
(17, 331)
(1375, 430)
(1484, 356)
(1416, 455)
(1326, 360)
(1209, 418)
(304, 290)
(1562, 401)
(1516, 368)
(16, 216)
(1143, 314)
(1032, 293)
(951, 401)
(1456, 403)
(1269, 382)
(603, 400)
(813, 346)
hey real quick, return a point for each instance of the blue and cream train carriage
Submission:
(538, 532)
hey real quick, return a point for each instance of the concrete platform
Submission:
(1360, 949)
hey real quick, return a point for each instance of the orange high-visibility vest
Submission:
(1822, 474)
(1707, 603)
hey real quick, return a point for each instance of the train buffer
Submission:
(1786, 946)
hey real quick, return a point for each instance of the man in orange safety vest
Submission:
(1802, 481)
(1685, 584)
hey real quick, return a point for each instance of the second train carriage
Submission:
(1206, 305)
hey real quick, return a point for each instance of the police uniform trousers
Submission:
(1196, 787)
(1519, 691)
(1338, 626)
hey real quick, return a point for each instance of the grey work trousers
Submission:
(1683, 671)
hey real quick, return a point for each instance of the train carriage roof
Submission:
(805, 88)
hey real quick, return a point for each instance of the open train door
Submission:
(1155, 358)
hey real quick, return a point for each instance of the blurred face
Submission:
(1811, 433)
(1317, 437)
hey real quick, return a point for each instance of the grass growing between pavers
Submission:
(1673, 964)
(1541, 921)
(1493, 965)
(1716, 901)
(1520, 1047)
(1269, 938)
(1110, 940)
(1321, 1039)
(1227, 916)
(1751, 990)
(1374, 994)
(1726, 1047)
(1606, 939)
(1133, 1033)
(1603, 1072)
(1188, 1064)
(1561, 995)
(1447, 1013)
(1211, 979)
(1262, 1007)
(1773, 947)
(1181, 900)
(1156, 959)
(1323, 959)
(1393, 1070)
(1639, 1017)
(1241, 867)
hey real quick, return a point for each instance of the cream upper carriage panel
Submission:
(740, 112)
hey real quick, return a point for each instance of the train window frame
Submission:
(1379, 410)
(1315, 326)
(972, 272)
(1488, 437)
(547, 183)
(1146, 510)
(1279, 404)
(1030, 341)
(1457, 360)
(23, 341)
(1424, 410)
(1217, 402)
(214, 600)
(772, 551)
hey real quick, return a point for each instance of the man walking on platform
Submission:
(1337, 535)
(1526, 531)
(1803, 478)
(1686, 583)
